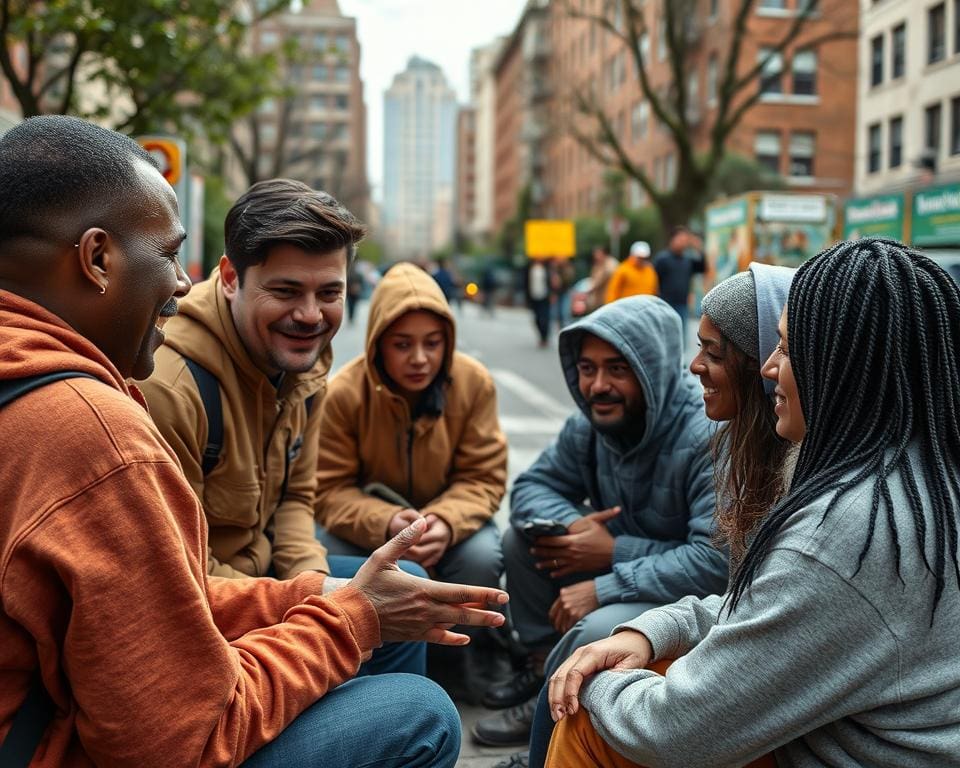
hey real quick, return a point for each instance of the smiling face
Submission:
(609, 385)
(714, 365)
(412, 350)
(791, 424)
(289, 307)
(146, 279)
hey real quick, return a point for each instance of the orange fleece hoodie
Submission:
(103, 582)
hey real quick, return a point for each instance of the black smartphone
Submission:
(540, 526)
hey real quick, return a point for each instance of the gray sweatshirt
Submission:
(824, 665)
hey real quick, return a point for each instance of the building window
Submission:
(876, 60)
(873, 148)
(931, 129)
(805, 73)
(318, 131)
(669, 171)
(342, 74)
(319, 41)
(638, 120)
(772, 5)
(644, 46)
(661, 39)
(766, 149)
(712, 79)
(936, 34)
(956, 26)
(771, 81)
(955, 125)
(343, 43)
(319, 72)
(896, 141)
(268, 39)
(714, 8)
(342, 101)
(898, 51)
(802, 145)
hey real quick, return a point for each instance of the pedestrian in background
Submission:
(635, 276)
(538, 297)
(601, 270)
(676, 265)
(561, 279)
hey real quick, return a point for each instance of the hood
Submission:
(405, 288)
(773, 286)
(205, 312)
(647, 332)
(34, 341)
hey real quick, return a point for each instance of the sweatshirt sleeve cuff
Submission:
(661, 629)
(364, 622)
(608, 589)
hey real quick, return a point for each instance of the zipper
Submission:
(410, 464)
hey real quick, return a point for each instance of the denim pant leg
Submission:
(389, 721)
(477, 560)
(592, 627)
(532, 592)
(390, 657)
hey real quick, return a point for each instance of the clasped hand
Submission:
(586, 547)
(624, 650)
(433, 543)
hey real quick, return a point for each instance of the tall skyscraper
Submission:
(419, 161)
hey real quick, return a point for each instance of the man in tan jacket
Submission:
(260, 331)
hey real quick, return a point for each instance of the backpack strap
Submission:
(209, 388)
(35, 713)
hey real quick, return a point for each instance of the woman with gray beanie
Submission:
(738, 332)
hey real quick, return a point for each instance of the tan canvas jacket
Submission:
(261, 424)
(453, 466)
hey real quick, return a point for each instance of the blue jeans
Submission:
(390, 657)
(389, 721)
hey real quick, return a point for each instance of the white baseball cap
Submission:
(640, 248)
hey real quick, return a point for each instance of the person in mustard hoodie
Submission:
(116, 646)
(635, 276)
(409, 429)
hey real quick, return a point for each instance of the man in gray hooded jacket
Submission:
(630, 478)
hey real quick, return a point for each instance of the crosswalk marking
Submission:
(530, 394)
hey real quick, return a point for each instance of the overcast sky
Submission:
(443, 31)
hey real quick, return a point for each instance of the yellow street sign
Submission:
(550, 239)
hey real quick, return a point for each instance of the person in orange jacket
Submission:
(635, 276)
(108, 617)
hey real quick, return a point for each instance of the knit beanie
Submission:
(732, 306)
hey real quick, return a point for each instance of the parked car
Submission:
(580, 297)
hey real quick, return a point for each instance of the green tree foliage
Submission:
(176, 66)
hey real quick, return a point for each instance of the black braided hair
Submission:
(872, 330)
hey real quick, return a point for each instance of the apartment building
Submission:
(802, 125)
(318, 134)
(483, 102)
(521, 121)
(466, 195)
(908, 123)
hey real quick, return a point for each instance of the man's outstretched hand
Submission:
(411, 608)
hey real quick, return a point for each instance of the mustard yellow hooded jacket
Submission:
(453, 465)
(250, 524)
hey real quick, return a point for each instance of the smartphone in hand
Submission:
(540, 526)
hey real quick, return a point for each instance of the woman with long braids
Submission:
(837, 643)
(737, 332)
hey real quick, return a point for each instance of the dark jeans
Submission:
(541, 316)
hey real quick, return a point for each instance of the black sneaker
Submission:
(521, 687)
(510, 728)
(516, 760)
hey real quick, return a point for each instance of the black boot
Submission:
(509, 728)
(524, 684)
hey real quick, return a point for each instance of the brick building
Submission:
(802, 126)
(466, 194)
